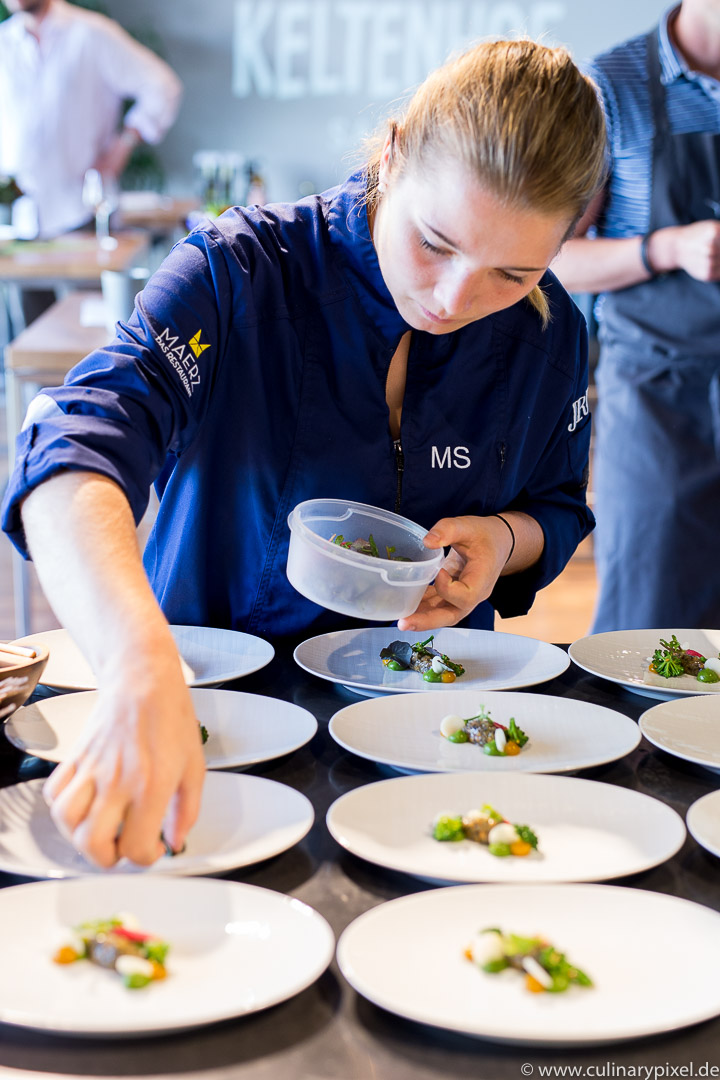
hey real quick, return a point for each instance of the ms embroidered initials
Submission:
(580, 408)
(452, 456)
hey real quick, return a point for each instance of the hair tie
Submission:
(512, 533)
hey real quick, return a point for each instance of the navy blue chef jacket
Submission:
(252, 376)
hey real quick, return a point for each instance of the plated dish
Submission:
(586, 831)
(214, 655)
(242, 820)
(492, 660)
(235, 949)
(243, 729)
(623, 656)
(703, 821)
(408, 956)
(687, 728)
(405, 732)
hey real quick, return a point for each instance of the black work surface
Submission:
(328, 1032)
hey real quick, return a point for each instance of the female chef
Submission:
(397, 340)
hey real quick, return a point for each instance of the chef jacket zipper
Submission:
(400, 469)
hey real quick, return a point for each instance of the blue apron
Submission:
(657, 457)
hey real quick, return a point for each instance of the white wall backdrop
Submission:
(296, 84)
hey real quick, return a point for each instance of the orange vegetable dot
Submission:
(66, 955)
(448, 676)
(467, 953)
(533, 985)
(511, 748)
(520, 847)
(159, 971)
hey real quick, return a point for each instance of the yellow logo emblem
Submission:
(196, 346)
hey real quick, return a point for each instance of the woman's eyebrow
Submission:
(458, 247)
(440, 236)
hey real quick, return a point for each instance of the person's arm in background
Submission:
(134, 72)
(141, 752)
(603, 264)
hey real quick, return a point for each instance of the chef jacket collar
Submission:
(350, 232)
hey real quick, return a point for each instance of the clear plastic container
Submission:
(348, 581)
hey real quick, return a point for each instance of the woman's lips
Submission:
(433, 318)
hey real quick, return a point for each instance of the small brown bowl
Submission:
(18, 678)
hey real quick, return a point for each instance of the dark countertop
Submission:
(328, 1032)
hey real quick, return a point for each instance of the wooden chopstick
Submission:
(18, 650)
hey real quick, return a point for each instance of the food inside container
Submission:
(355, 582)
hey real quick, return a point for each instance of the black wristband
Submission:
(644, 257)
(512, 533)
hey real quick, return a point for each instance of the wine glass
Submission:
(100, 196)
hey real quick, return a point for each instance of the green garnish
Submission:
(516, 949)
(449, 828)
(366, 547)
(515, 733)
(667, 661)
(525, 833)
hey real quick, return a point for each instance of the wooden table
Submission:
(161, 215)
(41, 355)
(73, 259)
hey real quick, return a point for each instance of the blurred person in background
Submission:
(653, 255)
(397, 340)
(65, 73)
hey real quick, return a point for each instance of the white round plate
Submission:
(234, 949)
(215, 656)
(492, 660)
(638, 947)
(622, 657)
(703, 821)
(404, 732)
(688, 729)
(242, 820)
(586, 831)
(243, 729)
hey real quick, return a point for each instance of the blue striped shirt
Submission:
(692, 102)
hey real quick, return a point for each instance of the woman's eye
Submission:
(431, 247)
(512, 277)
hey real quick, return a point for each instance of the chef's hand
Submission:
(136, 771)
(485, 544)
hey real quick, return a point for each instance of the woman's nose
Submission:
(455, 293)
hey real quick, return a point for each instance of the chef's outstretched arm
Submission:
(138, 768)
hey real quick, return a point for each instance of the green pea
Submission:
(707, 674)
(459, 736)
(493, 966)
(432, 676)
(394, 665)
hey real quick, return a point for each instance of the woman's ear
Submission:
(388, 157)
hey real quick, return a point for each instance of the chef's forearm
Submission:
(81, 535)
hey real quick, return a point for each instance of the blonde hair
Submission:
(524, 119)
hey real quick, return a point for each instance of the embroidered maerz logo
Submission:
(195, 345)
(180, 357)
